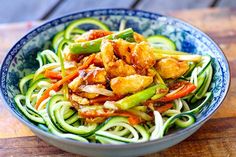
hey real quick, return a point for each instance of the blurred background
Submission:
(35, 10)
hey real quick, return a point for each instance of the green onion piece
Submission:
(94, 45)
(139, 97)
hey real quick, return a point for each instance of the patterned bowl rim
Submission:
(124, 12)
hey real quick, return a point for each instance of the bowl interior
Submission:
(21, 59)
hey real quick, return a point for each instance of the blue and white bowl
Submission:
(21, 60)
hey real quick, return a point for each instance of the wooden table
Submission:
(216, 138)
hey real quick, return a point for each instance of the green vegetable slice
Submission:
(79, 22)
(161, 42)
(57, 39)
(93, 46)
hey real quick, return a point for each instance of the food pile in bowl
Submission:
(114, 86)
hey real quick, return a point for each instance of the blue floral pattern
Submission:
(21, 59)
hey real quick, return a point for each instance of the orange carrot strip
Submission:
(134, 120)
(164, 108)
(188, 88)
(88, 61)
(52, 74)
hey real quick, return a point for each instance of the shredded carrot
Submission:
(87, 62)
(55, 75)
(178, 93)
(134, 120)
(52, 74)
(164, 108)
(187, 89)
(58, 84)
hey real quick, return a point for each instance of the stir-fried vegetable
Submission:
(114, 87)
(140, 97)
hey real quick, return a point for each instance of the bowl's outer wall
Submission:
(117, 152)
(21, 60)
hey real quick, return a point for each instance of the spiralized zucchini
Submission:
(50, 105)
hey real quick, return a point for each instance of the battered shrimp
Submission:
(130, 84)
(143, 56)
(113, 66)
(171, 68)
(123, 49)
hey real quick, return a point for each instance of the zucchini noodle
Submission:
(88, 88)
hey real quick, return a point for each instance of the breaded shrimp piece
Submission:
(113, 66)
(123, 49)
(107, 53)
(119, 68)
(143, 56)
(140, 55)
(171, 68)
(130, 84)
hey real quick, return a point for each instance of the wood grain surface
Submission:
(216, 138)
